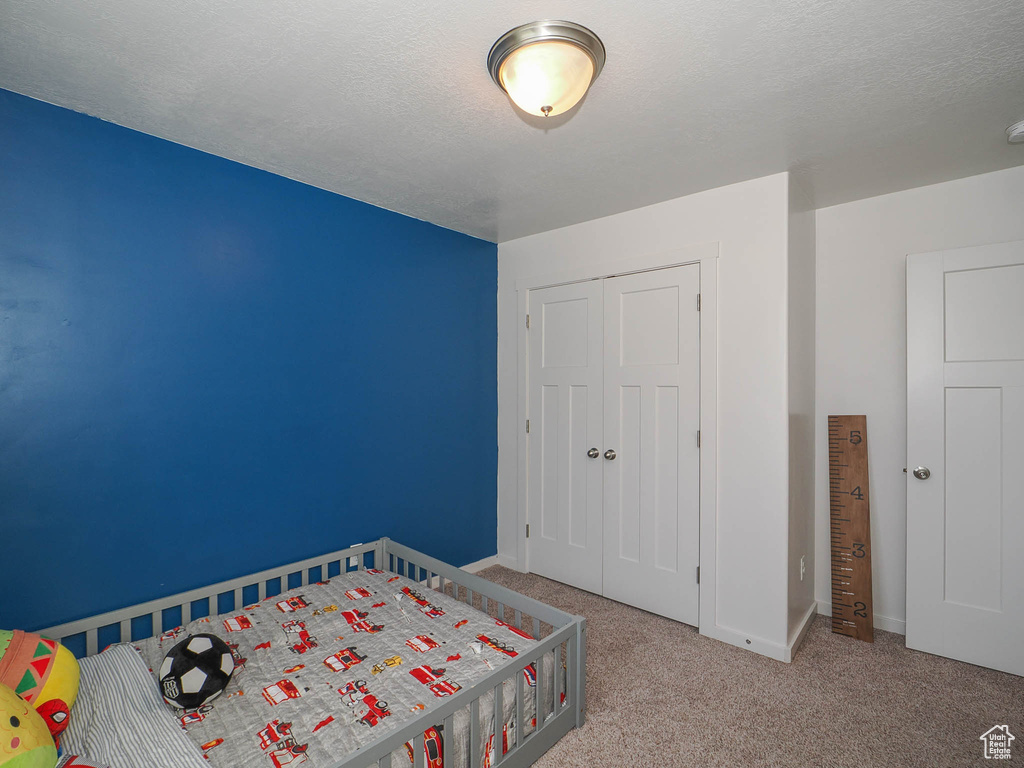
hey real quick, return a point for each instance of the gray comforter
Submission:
(330, 667)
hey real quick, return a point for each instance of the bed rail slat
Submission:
(91, 641)
(536, 628)
(125, 630)
(447, 750)
(157, 621)
(580, 665)
(520, 710)
(540, 677)
(572, 650)
(417, 751)
(556, 697)
(499, 722)
(384, 762)
(474, 734)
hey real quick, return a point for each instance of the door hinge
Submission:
(527, 530)
(698, 438)
(527, 426)
(698, 302)
(527, 322)
(698, 574)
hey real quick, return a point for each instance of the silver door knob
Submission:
(922, 473)
(609, 454)
(593, 453)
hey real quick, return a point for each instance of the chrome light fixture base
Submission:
(544, 31)
(1015, 133)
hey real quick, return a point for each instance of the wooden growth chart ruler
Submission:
(850, 528)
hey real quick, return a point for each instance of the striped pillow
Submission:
(120, 718)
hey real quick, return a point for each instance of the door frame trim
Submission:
(705, 254)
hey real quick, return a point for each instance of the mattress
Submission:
(330, 667)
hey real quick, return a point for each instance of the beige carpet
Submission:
(659, 694)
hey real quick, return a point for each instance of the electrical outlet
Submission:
(803, 566)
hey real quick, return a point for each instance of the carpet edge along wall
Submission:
(207, 369)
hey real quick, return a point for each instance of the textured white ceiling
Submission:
(390, 101)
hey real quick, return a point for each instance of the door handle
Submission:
(922, 473)
(609, 454)
(593, 453)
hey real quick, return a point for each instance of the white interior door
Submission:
(965, 425)
(652, 414)
(564, 482)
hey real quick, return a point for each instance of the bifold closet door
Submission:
(565, 412)
(651, 417)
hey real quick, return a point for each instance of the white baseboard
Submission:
(748, 642)
(764, 647)
(801, 631)
(479, 565)
(885, 623)
(509, 561)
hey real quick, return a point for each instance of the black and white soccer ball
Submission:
(196, 671)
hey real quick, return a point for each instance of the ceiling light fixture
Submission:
(546, 67)
(1015, 133)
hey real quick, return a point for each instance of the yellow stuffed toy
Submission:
(25, 741)
(42, 672)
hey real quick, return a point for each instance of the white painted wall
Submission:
(801, 308)
(861, 342)
(749, 221)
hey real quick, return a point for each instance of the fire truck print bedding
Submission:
(325, 669)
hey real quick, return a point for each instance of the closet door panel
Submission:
(627, 498)
(564, 490)
(652, 414)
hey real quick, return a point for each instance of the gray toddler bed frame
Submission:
(566, 640)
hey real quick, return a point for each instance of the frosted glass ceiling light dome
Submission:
(546, 67)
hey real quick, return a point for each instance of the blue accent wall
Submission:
(207, 369)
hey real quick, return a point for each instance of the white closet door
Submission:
(564, 483)
(965, 426)
(652, 414)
